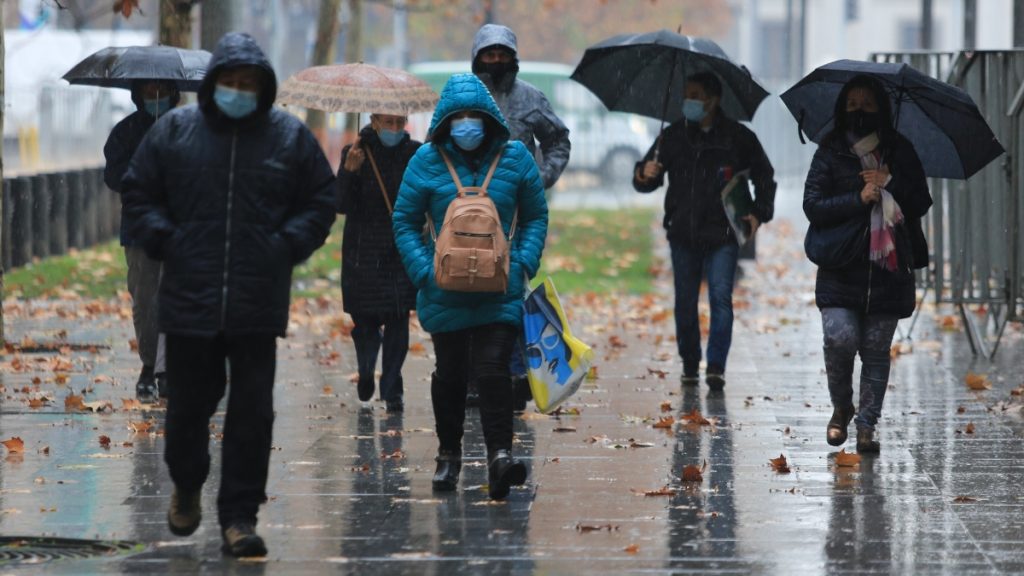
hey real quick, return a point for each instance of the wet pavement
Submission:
(350, 485)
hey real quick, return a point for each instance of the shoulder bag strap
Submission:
(380, 181)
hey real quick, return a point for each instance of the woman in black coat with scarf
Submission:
(865, 195)
(376, 291)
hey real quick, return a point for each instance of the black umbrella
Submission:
(941, 121)
(119, 67)
(643, 73)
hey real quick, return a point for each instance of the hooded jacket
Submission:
(229, 205)
(121, 144)
(832, 194)
(526, 109)
(373, 280)
(428, 188)
(699, 164)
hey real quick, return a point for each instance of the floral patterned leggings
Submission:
(848, 332)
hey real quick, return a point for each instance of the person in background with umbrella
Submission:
(866, 173)
(229, 194)
(376, 291)
(153, 99)
(473, 332)
(701, 153)
(532, 121)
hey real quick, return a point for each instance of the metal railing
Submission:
(974, 227)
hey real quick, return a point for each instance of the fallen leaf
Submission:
(14, 445)
(105, 441)
(969, 429)
(666, 422)
(666, 406)
(417, 348)
(99, 405)
(131, 404)
(695, 417)
(977, 381)
(595, 528)
(563, 429)
(592, 374)
(663, 491)
(960, 409)
(694, 473)
(631, 549)
(655, 372)
(964, 499)
(328, 390)
(73, 402)
(139, 426)
(396, 455)
(847, 459)
(780, 465)
(37, 402)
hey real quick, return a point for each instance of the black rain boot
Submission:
(449, 464)
(523, 394)
(836, 432)
(866, 443)
(503, 472)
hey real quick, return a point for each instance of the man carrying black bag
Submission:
(701, 154)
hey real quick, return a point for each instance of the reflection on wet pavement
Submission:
(350, 485)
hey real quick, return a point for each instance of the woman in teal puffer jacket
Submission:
(470, 128)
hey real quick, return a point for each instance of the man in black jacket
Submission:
(230, 194)
(701, 154)
(153, 99)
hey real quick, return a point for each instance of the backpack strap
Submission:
(380, 181)
(451, 170)
(490, 171)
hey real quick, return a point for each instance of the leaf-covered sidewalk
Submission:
(636, 474)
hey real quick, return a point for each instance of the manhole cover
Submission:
(33, 550)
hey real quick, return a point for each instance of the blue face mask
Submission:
(468, 133)
(390, 138)
(157, 107)
(235, 103)
(693, 110)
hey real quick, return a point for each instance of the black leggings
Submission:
(484, 352)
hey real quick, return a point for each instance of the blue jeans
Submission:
(688, 267)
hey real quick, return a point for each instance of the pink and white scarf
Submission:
(885, 214)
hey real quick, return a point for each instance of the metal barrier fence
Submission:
(974, 228)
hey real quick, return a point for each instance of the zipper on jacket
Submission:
(693, 200)
(227, 232)
(867, 303)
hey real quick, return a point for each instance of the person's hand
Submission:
(877, 177)
(870, 193)
(355, 157)
(651, 170)
(754, 223)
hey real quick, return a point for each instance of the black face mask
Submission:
(497, 70)
(862, 123)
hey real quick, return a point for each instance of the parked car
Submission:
(604, 143)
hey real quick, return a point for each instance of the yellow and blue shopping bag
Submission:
(556, 360)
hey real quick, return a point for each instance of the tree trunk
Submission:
(323, 54)
(176, 23)
(354, 53)
(217, 19)
(3, 106)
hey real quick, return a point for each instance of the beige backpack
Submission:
(471, 253)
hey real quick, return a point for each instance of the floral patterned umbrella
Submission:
(358, 88)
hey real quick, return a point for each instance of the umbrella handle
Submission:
(800, 126)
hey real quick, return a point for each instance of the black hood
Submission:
(233, 50)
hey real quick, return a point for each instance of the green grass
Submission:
(597, 251)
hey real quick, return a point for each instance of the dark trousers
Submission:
(481, 351)
(848, 333)
(689, 265)
(197, 378)
(368, 334)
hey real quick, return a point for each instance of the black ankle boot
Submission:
(503, 472)
(449, 464)
(835, 433)
(866, 443)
